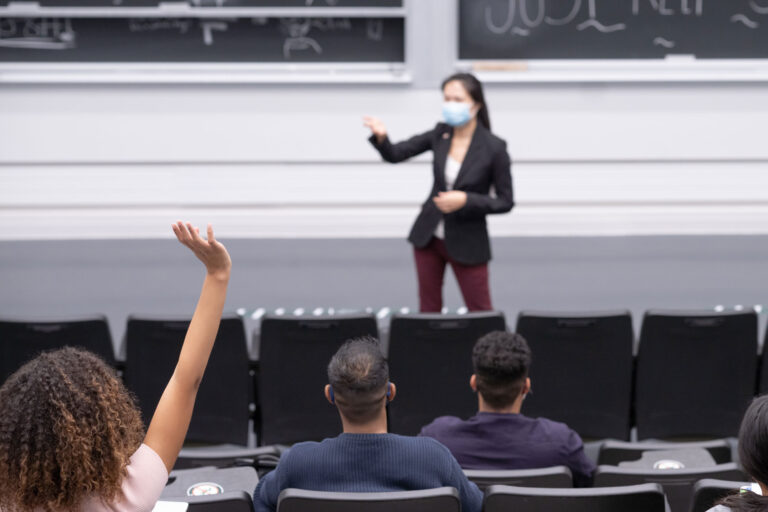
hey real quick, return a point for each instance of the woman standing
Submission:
(472, 178)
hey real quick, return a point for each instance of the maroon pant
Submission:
(430, 269)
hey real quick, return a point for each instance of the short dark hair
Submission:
(501, 361)
(753, 455)
(358, 374)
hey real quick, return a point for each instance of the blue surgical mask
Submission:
(456, 113)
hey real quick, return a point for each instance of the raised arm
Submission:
(170, 422)
(394, 153)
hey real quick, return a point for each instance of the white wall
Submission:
(102, 161)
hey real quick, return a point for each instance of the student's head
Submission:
(358, 381)
(465, 88)
(67, 430)
(501, 361)
(753, 454)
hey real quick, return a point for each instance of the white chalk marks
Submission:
(665, 43)
(37, 34)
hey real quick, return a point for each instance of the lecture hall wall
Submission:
(122, 161)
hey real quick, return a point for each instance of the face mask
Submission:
(456, 113)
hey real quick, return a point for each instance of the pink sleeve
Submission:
(143, 483)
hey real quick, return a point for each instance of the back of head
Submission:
(753, 455)
(358, 375)
(501, 361)
(67, 430)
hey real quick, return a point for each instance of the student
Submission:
(364, 458)
(753, 455)
(499, 436)
(71, 436)
(469, 162)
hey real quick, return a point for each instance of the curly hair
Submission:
(67, 430)
(501, 361)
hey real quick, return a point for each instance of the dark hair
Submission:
(67, 430)
(501, 361)
(474, 88)
(358, 374)
(753, 454)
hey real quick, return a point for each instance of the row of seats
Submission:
(692, 374)
(539, 489)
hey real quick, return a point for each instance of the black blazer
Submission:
(486, 163)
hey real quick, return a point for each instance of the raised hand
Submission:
(212, 253)
(376, 127)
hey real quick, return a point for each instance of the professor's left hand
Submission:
(448, 202)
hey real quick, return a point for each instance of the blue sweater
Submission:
(367, 463)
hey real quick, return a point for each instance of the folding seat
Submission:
(294, 352)
(22, 339)
(614, 452)
(430, 360)
(677, 483)
(222, 412)
(696, 373)
(442, 499)
(555, 476)
(581, 372)
(708, 491)
(633, 498)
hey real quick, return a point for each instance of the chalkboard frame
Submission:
(396, 72)
(670, 68)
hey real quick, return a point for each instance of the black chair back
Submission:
(574, 355)
(442, 499)
(696, 373)
(293, 356)
(430, 360)
(235, 501)
(555, 476)
(23, 339)
(634, 498)
(677, 483)
(708, 491)
(152, 347)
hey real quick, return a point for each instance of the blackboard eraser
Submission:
(174, 6)
(22, 6)
(500, 66)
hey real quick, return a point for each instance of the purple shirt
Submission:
(512, 441)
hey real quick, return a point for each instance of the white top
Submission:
(452, 168)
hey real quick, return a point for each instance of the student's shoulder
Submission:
(554, 430)
(441, 424)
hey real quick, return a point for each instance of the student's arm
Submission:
(479, 205)
(471, 497)
(582, 468)
(169, 424)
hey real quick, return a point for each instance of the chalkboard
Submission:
(612, 29)
(217, 3)
(202, 40)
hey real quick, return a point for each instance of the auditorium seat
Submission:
(696, 373)
(574, 356)
(633, 498)
(233, 484)
(234, 501)
(707, 492)
(442, 499)
(430, 360)
(22, 339)
(221, 414)
(263, 459)
(677, 483)
(294, 352)
(614, 452)
(555, 476)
